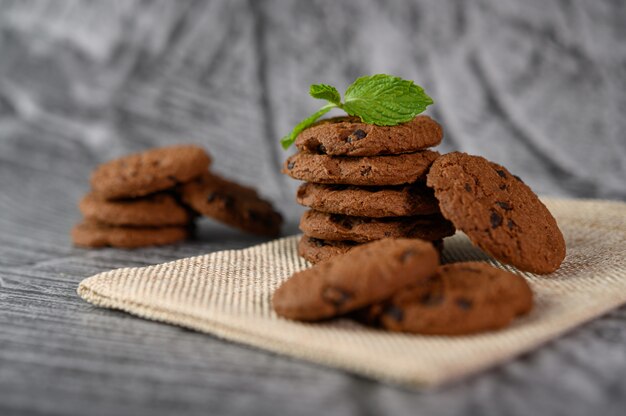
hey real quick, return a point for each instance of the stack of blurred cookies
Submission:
(152, 198)
(364, 183)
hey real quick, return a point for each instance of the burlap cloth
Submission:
(228, 293)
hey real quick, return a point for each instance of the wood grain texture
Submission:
(538, 87)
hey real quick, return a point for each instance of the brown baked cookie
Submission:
(316, 250)
(362, 229)
(148, 172)
(372, 170)
(462, 298)
(232, 204)
(497, 211)
(367, 274)
(94, 235)
(154, 210)
(349, 136)
(369, 201)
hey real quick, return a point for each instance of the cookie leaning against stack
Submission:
(365, 182)
(152, 198)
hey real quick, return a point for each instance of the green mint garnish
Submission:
(379, 99)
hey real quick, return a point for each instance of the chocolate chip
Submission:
(468, 188)
(317, 242)
(211, 197)
(431, 299)
(341, 220)
(496, 219)
(394, 313)
(504, 205)
(503, 186)
(518, 178)
(321, 149)
(463, 303)
(359, 134)
(501, 173)
(510, 224)
(336, 296)
(366, 171)
(406, 255)
(290, 165)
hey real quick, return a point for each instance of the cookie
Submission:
(462, 298)
(362, 229)
(370, 170)
(368, 273)
(232, 204)
(148, 172)
(349, 136)
(498, 212)
(369, 201)
(92, 234)
(316, 250)
(154, 210)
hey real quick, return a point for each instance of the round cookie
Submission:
(316, 250)
(370, 170)
(462, 298)
(232, 204)
(154, 210)
(144, 173)
(369, 201)
(497, 211)
(368, 273)
(348, 136)
(362, 229)
(95, 235)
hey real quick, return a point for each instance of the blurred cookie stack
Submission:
(364, 183)
(152, 198)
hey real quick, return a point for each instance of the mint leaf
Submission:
(291, 137)
(385, 100)
(325, 92)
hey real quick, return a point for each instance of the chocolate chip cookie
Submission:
(316, 250)
(461, 298)
(94, 235)
(369, 201)
(370, 170)
(497, 211)
(154, 210)
(348, 136)
(362, 229)
(232, 204)
(148, 172)
(368, 273)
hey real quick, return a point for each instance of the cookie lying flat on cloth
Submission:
(349, 136)
(369, 170)
(497, 211)
(366, 275)
(362, 229)
(93, 234)
(369, 201)
(232, 204)
(462, 298)
(154, 210)
(144, 173)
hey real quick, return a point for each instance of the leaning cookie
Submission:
(95, 235)
(361, 229)
(232, 204)
(497, 211)
(369, 201)
(349, 136)
(148, 172)
(462, 298)
(367, 274)
(151, 211)
(370, 170)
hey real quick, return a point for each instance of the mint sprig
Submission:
(379, 99)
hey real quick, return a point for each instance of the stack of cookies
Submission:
(364, 183)
(152, 198)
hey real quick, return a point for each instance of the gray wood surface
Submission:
(536, 85)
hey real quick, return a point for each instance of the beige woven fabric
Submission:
(228, 294)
